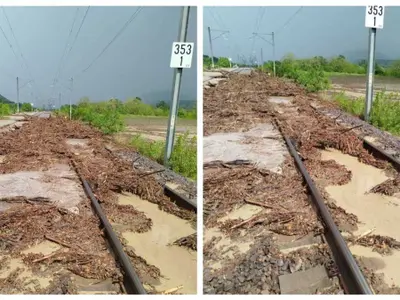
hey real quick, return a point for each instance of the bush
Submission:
(309, 74)
(5, 109)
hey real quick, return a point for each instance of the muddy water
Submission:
(30, 280)
(227, 247)
(373, 210)
(178, 265)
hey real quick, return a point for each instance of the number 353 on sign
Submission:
(374, 16)
(181, 55)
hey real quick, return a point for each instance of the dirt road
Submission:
(51, 241)
(261, 234)
(354, 85)
(154, 128)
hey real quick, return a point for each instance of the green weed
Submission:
(184, 155)
(385, 111)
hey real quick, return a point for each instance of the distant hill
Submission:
(357, 56)
(189, 104)
(5, 100)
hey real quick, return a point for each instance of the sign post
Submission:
(181, 57)
(373, 19)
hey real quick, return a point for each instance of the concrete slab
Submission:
(59, 184)
(262, 145)
(289, 244)
(305, 282)
(280, 100)
(210, 75)
(94, 287)
(6, 122)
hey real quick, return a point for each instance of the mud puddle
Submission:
(38, 280)
(178, 265)
(225, 245)
(30, 280)
(374, 211)
(388, 264)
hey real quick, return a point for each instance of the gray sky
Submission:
(325, 31)
(136, 64)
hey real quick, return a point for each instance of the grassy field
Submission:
(147, 135)
(384, 114)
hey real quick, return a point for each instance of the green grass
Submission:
(385, 112)
(184, 155)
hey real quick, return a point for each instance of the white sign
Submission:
(374, 16)
(181, 55)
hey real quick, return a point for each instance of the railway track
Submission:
(131, 283)
(304, 238)
(122, 266)
(351, 277)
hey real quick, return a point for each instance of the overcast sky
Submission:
(325, 31)
(136, 64)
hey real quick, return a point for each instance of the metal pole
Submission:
(70, 96)
(273, 52)
(262, 60)
(211, 48)
(17, 95)
(370, 74)
(59, 100)
(176, 89)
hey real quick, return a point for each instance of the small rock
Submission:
(280, 262)
(296, 265)
(285, 265)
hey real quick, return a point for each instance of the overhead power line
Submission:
(219, 17)
(77, 34)
(23, 59)
(132, 17)
(289, 20)
(56, 77)
(214, 18)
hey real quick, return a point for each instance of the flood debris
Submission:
(235, 106)
(189, 242)
(388, 187)
(28, 222)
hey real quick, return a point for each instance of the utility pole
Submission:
(273, 52)
(370, 73)
(59, 100)
(262, 60)
(211, 48)
(17, 95)
(176, 89)
(70, 99)
(272, 34)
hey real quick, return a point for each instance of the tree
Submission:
(163, 105)
(223, 62)
(26, 107)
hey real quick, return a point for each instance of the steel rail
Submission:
(180, 200)
(376, 151)
(350, 274)
(132, 282)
